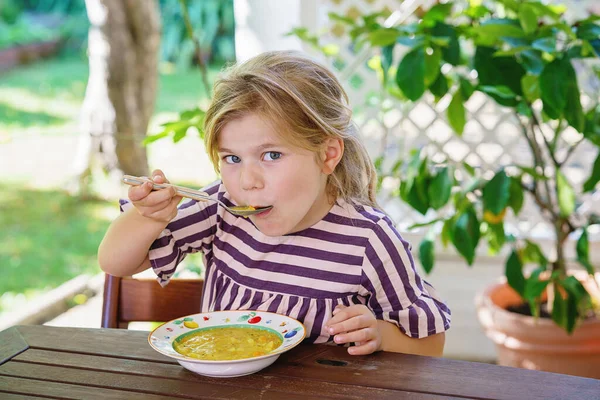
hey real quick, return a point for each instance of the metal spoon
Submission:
(243, 211)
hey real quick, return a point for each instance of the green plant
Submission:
(521, 53)
(192, 118)
(212, 23)
(21, 33)
(24, 22)
(9, 11)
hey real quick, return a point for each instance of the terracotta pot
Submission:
(524, 342)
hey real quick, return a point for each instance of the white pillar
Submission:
(260, 25)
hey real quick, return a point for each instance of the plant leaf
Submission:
(447, 231)
(592, 126)
(574, 286)
(496, 237)
(440, 188)
(514, 273)
(534, 286)
(469, 168)
(591, 182)
(576, 296)
(544, 10)
(554, 87)
(583, 252)
(547, 44)
(439, 12)
(440, 87)
(532, 61)
(340, 18)
(413, 187)
(466, 234)
(531, 87)
(573, 110)
(516, 195)
(566, 195)
(456, 113)
(559, 309)
(440, 41)
(387, 56)
(595, 45)
(498, 71)
(466, 88)
(180, 134)
(410, 76)
(412, 168)
(154, 138)
(512, 5)
(496, 193)
(532, 254)
(512, 52)
(523, 109)
(432, 66)
(494, 29)
(384, 36)
(588, 31)
(502, 91)
(412, 41)
(451, 52)
(414, 199)
(193, 113)
(427, 253)
(528, 18)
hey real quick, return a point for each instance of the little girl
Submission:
(280, 134)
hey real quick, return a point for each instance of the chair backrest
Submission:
(130, 299)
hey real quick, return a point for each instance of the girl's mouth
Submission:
(264, 213)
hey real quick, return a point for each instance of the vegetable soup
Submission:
(228, 343)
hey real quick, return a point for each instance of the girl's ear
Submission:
(333, 150)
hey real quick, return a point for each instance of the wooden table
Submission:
(76, 363)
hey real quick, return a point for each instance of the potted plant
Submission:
(521, 54)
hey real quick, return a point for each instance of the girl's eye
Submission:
(272, 155)
(231, 159)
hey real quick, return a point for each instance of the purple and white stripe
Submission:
(353, 256)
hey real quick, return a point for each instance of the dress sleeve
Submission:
(192, 230)
(395, 291)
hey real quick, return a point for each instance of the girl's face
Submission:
(260, 169)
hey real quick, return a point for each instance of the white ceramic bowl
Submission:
(291, 331)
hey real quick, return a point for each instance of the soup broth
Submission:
(228, 343)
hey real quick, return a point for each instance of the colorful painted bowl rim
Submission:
(297, 339)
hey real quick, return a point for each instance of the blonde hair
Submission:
(307, 102)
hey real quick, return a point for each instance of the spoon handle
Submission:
(181, 190)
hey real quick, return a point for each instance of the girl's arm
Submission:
(124, 249)
(357, 324)
(392, 339)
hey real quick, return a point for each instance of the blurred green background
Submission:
(47, 234)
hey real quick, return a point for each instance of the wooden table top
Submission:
(77, 363)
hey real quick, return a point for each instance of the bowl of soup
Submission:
(227, 343)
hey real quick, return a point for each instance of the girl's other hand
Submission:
(160, 205)
(356, 324)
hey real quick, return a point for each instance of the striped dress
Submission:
(354, 255)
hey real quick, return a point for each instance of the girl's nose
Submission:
(251, 178)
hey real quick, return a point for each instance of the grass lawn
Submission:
(50, 93)
(48, 237)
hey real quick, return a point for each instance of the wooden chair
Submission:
(131, 299)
